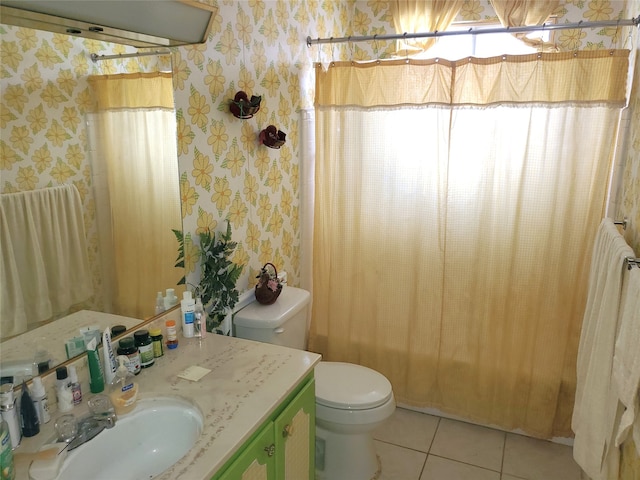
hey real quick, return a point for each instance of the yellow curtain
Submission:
(452, 240)
(415, 16)
(135, 138)
(520, 13)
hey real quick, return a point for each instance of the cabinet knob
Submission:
(287, 431)
(271, 450)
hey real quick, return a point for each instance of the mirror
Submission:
(75, 156)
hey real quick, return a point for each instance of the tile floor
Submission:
(417, 446)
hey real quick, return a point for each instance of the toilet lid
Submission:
(350, 387)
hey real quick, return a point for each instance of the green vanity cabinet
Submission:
(284, 447)
(256, 460)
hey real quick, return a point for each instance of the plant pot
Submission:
(272, 137)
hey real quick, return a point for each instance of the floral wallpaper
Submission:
(257, 46)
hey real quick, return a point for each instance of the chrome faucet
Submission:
(92, 425)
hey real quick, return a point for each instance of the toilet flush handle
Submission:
(278, 330)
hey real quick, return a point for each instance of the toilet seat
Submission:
(347, 386)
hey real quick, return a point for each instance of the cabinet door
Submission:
(257, 461)
(295, 432)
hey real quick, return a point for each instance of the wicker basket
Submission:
(264, 294)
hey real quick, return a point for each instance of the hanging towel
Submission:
(626, 359)
(45, 264)
(596, 402)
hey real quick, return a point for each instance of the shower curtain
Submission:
(453, 226)
(133, 131)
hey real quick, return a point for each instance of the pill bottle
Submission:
(156, 340)
(145, 347)
(172, 335)
(127, 347)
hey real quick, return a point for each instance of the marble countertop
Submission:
(247, 382)
(52, 336)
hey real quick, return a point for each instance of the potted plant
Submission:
(217, 287)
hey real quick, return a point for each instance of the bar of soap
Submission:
(48, 469)
(193, 373)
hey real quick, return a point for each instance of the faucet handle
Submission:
(108, 418)
(100, 405)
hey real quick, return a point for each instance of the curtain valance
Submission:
(133, 90)
(581, 77)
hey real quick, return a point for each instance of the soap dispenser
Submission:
(123, 390)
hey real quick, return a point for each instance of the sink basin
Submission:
(142, 444)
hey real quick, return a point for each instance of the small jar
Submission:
(128, 348)
(172, 335)
(156, 341)
(145, 347)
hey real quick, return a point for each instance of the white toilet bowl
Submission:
(351, 401)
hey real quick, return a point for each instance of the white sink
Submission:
(142, 444)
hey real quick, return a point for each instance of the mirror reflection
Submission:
(116, 166)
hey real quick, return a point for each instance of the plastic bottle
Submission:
(40, 400)
(127, 348)
(159, 303)
(6, 453)
(28, 414)
(188, 306)
(76, 389)
(200, 323)
(145, 347)
(172, 336)
(156, 339)
(123, 390)
(63, 390)
(10, 413)
(96, 372)
(170, 299)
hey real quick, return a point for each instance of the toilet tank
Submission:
(282, 323)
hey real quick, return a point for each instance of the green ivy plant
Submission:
(219, 275)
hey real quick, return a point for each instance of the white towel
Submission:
(626, 359)
(45, 263)
(595, 408)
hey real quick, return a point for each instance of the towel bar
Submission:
(623, 223)
(632, 261)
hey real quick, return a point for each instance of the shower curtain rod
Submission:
(97, 58)
(477, 31)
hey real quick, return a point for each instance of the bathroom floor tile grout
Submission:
(421, 469)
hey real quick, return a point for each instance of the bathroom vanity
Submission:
(257, 402)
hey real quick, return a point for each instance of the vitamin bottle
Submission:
(145, 347)
(156, 341)
(128, 348)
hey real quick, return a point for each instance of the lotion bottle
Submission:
(188, 307)
(40, 400)
(123, 390)
(63, 390)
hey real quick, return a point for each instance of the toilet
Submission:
(351, 400)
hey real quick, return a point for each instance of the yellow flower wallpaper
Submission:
(258, 46)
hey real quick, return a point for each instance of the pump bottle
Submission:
(123, 390)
